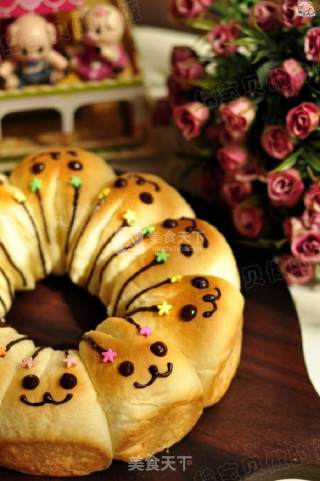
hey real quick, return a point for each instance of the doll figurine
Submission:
(32, 59)
(101, 53)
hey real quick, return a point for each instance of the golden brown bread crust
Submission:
(175, 278)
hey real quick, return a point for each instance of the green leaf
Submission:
(263, 71)
(288, 163)
(313, 161)
(201, 23)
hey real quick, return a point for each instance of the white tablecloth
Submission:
(155, 46)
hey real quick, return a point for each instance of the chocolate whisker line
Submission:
(212, 298)
(194, 228)
(17, 341)
(35, 229)
(93, 344)
(147, 289)
(155, 374)
(141, 181)
(12, 264)
(43, 217)
(143, 309)
(76, 197)
(8, 283)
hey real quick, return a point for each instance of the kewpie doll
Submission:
(32, 59)
(101, 54)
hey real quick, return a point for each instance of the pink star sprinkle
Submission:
(145, 331)
(28, 363)
(70, 361)
(108, 356)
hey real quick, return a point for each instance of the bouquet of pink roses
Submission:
(250, 107)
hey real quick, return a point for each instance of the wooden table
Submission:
(268, 425)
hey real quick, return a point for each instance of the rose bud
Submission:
(291, 226)
(248, 221)
(184, 9)
(306, 246)
(238, 116)
(303, 120)
(187, 69)
(288, 79)
(234, 192)
(232, 157)
(311, 219)
(222, 39)
(295, 271)
(276, 142)
(181, 54)
(291, 17)
(285, 188)
(266, 15)
(190, 118)
(312, 197)
(312, 44)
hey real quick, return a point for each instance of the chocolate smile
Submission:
(47, 399)
(155, 374)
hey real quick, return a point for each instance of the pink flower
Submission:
(285, 188)
(145, 331)
(218, 134)
(292, 226)
(108, 356)
(190, 118)
(295, 271)
(311, 219)
(312, 197)
(276, 142)
(222, 39)
(248, 221)
(238, 116)
(303, 120)
(312, 44)
(185, 64)
(288, 79)
(265, 14)
(28, 363)
(189, 8)
(291, 17)
(232, 157)
(305, 245)
(181, 54)
(235, 192)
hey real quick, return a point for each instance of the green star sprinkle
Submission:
(76, 182)
(162, 256)
(35, 185)
(148, 231)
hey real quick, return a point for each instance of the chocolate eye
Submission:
(188, 312)
(159, 349)
(30, 382)
(38, 168)
(120, 183)
(146, 198)
(68, 381)
(186, 250)
(98, 30)
(40, 50)
(170, 224)
(75, 165)
(200, 283)
(24, 51)
(126, 368)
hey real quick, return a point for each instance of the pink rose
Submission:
(218, 134)
(312, 44)
(266, 15)
(222, 39)
(303, 119)
(306, 246)
(288, 79)
(189, 8)
(292, 226)
(276, 142)
(311, 219)
(248, 221)
(291, 16)
(185, 64)
(238, 116)
(312, 197)
(232, 157)
(235, 192)
(295, 271)
(285, 188)
(190, 118)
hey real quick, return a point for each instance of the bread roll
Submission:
(51, 422)
(151, 394)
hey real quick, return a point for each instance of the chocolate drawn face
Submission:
(146, 189)
(71, 158)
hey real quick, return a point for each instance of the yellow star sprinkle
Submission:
(20, 197)
(130, 217)
(164, 308)
(104, 193)
(176, 278)
(3, 351)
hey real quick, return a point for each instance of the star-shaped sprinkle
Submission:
(176, 278)
(70, 361)
(104, 194)
(108, 356)
(164, 308)
(148, 230)
(20, 198)
(130, 217)
(3, 351)
(75, 181)
(162, 256)
(35, 185)
(28, 363)
(145, 331)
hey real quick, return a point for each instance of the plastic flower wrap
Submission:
(250, 109)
